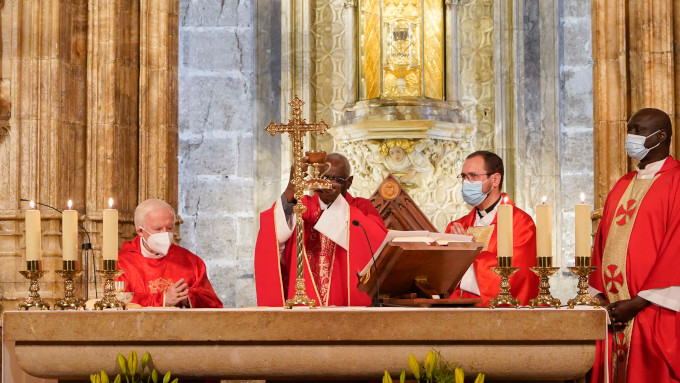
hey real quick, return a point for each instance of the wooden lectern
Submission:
(419, 274)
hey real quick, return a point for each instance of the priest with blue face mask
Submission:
(157, 271)
(482, 179)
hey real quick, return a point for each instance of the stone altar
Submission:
(300, 344)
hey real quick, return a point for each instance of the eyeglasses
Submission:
(471, 176)
(338, 180)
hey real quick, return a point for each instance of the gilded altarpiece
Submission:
(88, 111)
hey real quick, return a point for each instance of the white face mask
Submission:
(159, 242)
(635, 145)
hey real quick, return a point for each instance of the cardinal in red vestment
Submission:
(336, 248)
(482, 178)
(158, 272)
(637, 252)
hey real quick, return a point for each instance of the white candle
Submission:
(583, 228)
(504, 231)
(69, 234)
(33, 234)
(110, 233)
(544, 230)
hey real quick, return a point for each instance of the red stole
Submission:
(524, 283)
(652, 262)
(148, 278)
(275, 283)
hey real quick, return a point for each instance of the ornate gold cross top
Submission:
(297, 127)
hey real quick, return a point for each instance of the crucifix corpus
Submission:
(297, 128)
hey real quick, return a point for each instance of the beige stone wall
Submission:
(88, 111)
(636, 50)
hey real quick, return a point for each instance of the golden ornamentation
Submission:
(433, 52)
(109, 301)
(33, 299)
(297, 128)
(481, 234)
(544, 271)
(407, 145)
(504, 296)
(582, 297)
(401, 49)
(69, 301)
(389, 190)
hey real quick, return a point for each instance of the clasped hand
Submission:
(621, 312)
(177, 293)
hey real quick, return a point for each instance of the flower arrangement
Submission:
(128, 367)
(433, 370)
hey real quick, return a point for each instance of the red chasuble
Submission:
(148, 278)
(651, 343)
(524, 283)
(330, 271)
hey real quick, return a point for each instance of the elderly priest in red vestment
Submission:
(637, 252)
(336, 250)
(482, 179)
(158, 272)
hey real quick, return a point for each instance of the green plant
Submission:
(433, 370)
(128, 368)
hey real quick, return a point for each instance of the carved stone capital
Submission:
(351, 3)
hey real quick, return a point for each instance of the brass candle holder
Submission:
(70, 301)
(583, 269)
(544, 270)
(504, 270)
(109, 273)
(33, 272)
(297, 128)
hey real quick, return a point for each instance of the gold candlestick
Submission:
(583, 269)
(544, 270)
(70, 301)
(504, 270)
(33, 272)
(109, 273)
(297, 128)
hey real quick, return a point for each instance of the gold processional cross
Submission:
(298, 128)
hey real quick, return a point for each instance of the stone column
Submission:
(158, 100)
(451, 16)
(650, 55)
(113, 118)
(610, 98)
(42, 84)
(351, 51)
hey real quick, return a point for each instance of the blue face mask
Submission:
(472, 192)
(635, 145)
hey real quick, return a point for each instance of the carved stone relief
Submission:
(329, 79)
(427, 168)
(475, 31)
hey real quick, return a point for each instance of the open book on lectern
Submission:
(418, 264)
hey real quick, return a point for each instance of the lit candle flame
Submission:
(583, 197)
(70, 204)
(505, 200)
(110, 203)
(544, 199)
(31, 204)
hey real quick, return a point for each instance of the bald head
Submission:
(657, 119)
(341, 162)
(340, 175)
(655, 125)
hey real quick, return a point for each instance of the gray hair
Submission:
(146, 207)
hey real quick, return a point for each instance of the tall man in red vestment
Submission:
(335, 249)
(637, 252)
(482, 179)
(158, 272)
